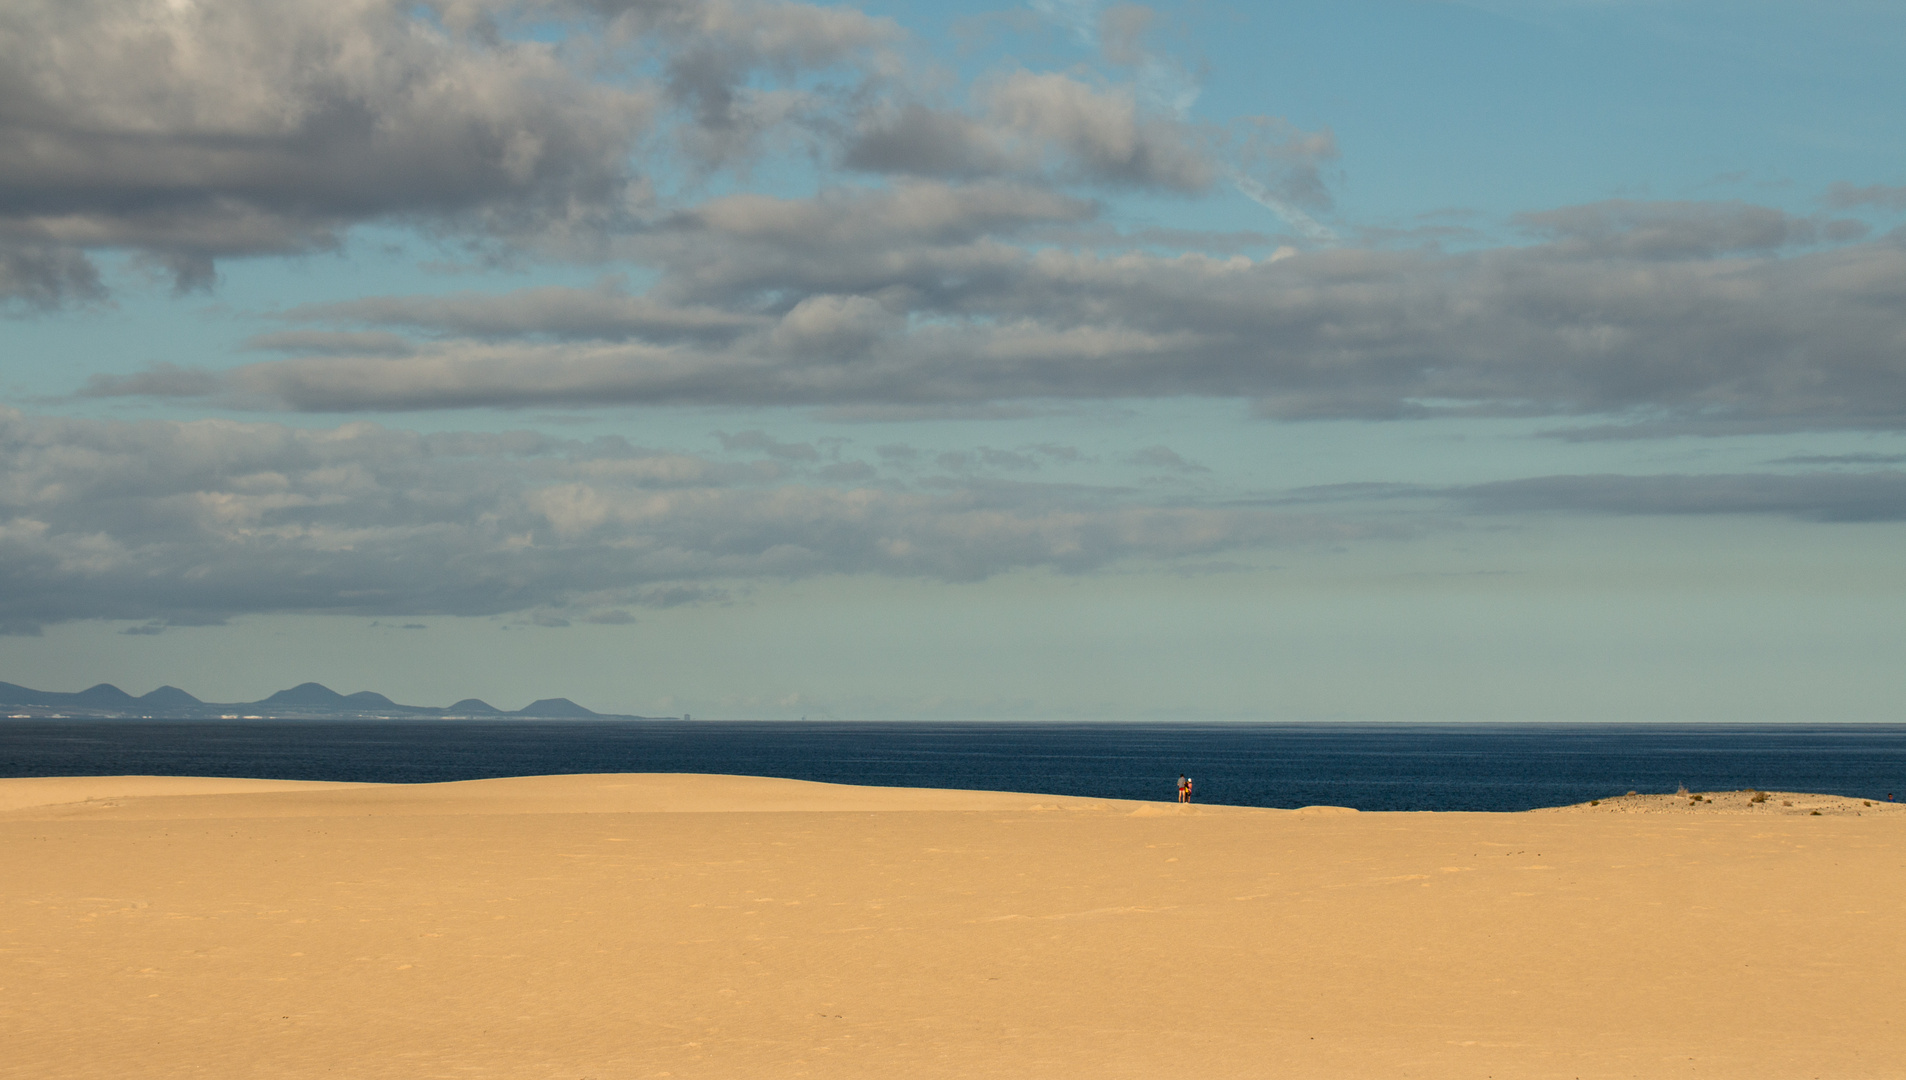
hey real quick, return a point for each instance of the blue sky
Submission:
(1382, 361)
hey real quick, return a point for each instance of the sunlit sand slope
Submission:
(697, 926)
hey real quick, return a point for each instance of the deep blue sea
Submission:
(1371, 767)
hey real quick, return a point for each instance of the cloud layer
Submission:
(199, 522)
(956, 249)
(925, 293)
(193, 131)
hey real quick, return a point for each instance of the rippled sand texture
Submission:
(699, 926)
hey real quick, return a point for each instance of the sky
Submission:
(1361, 360)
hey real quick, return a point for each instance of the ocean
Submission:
(1370, 767)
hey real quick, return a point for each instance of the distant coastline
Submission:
(306, 701)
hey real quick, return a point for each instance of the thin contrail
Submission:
(1309, 227)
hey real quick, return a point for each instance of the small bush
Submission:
(1759, 796)
(1816, 813)
(1682, 791)
(1594, 802)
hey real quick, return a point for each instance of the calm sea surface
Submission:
(1372, 767)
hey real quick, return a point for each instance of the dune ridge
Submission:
(702, 926)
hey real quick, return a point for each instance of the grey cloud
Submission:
(45, 276)
(602, 313)
(1846, 196)
(1278, 161)
(911, 309)
(834, 328)
(888, 413)
(1825, 497)
(1841, 459)
(1227, 243)
(1103, 134)
(1670, 230)
(195, 523)
(1035, 125)
(1122, 29)
(761, 441)
(189, 133)
(923, 141)
(1834, 497)
(193, 132)
(847, 472)
(843, 220)
(986, 457)
(713, 53)
(331, 342)
(1164, 457)
(1354, 491)
(160, 380)
(668, 596)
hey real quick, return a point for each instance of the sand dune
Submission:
(698, 926)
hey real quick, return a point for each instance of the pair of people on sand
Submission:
(1184, 788)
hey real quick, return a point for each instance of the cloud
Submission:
(1845, 196)
(43, 276)
(1100, 133)
(1676, 230)
(160, 381)
(1164, 457)
(606, 313)
(1279, 166)
(1051, 127)
(913, 298)
(762, 442)
(195, 523)
(329, 343)
(194, 132)
(1841, 459)
(715, 56)
(1828, 497)
(1825, 497)
(976, 273)
(187, 133)
(986, 457)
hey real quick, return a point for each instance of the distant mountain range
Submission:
(306, 701)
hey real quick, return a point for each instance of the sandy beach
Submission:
(606, 927)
